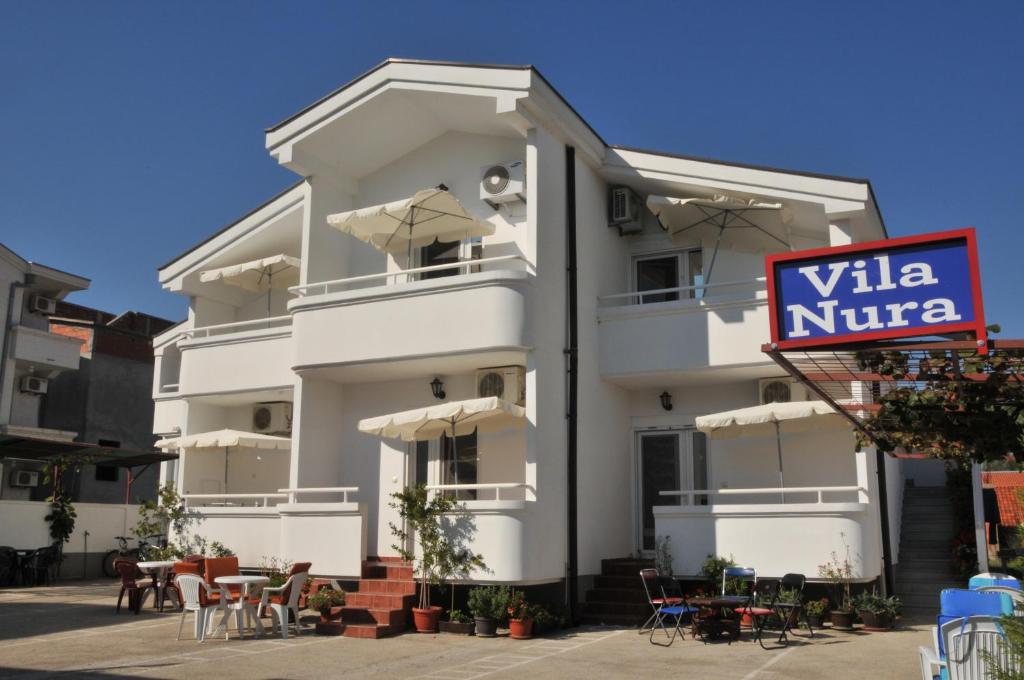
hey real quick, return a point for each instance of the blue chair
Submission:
(744, 574)
(972, 642)
(955, 603)
(985, 579)
(673, 605)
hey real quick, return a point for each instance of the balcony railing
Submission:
(343, 490)
(496, 487)
(238, 327)
(230, 500)
(699, 292)
(816, 492)
(403, 276)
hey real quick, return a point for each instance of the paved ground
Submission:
(72, 631)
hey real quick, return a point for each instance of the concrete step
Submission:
(616, 595)
(624, 566)
(913, 544)
(923, 600)
(619, 582)
(906, 586)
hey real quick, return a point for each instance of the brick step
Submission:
(378, 600)
(396, 618)
(385, 558)
(398, 571)
(369, 631)
(377, 586)
(617, 608)
(619, 582)
(624, 567)
(616, 595)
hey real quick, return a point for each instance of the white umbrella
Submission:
(226, 439)
(264, 274)
(765, 225)
(456, 417)
(426, 216)
(791, 416)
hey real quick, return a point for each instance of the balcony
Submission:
(44, 350)
(721, 326)
(405, 315)
(234, 357)
(762, 534)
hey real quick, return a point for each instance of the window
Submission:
(668, 270)
(422, 461)
(449, 252)
(106, 473)
(462, 467)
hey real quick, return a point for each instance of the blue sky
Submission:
(133, 130)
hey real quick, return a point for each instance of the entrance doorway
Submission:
(667, 460)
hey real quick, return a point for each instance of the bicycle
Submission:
(136, 554)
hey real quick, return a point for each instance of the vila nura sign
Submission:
(898, 288)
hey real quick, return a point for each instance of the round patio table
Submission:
(158, 570)
(721, 615)
(242, 606)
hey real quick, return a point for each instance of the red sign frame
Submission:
(977, 325)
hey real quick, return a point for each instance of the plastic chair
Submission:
(956, 603)
(649, 577)
(743, 574)
(673, 605)
(222, 566)
(1015, 595)
(202, 600)
(9, 565)
(37, 566)
(130, 575)
(968, 641)
(284, 600)
(987, 578)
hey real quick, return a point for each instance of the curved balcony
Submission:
(236, 357)
(394, 318)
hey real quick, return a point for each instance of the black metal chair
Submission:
(9, 565)
(37, 567)
(672, 604)
(761, 607)
(790, 612)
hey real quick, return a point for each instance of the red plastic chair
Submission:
(223, 566)
(130, 575)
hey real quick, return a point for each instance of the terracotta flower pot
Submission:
(520, 629)
(746, 621)
(328, 614)
(426, 619)
(875, 622)
(842, 620)
(486, 627)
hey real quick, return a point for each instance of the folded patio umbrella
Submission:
(264, 274)
(763, 226)
(419, 220)
(773, 418)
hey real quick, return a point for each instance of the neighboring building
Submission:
(351, 336)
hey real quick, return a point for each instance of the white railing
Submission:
(402, 276)
(169, 387)
(227, 499)
(239, 326)
(818, 491)
(343, 490)
(497, 487)
(637, 297)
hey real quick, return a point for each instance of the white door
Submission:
(667, 460)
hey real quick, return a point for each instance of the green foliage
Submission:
(440, 556)
(489, 602)
(274, 569)
(324, 598)
(1013, 630)
(459, 616)
(712, 570)
(816, 607)
(838, 571)
(170, 515)
(61, 518)
(663, 555)
(548, 618)
(946, 417)
(876, 604)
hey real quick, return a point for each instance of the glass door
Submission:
(667, 460)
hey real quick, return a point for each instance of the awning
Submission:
(276, 271)
(430, 422)
(791, 417)
(222, 439)
(426, 216)
(763, 224)
(34, 448)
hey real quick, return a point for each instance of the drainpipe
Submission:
(6, 345)
(572, 379)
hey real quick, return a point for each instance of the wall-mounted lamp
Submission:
(666, 401)
(437, 388)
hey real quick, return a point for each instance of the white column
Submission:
(979, 518)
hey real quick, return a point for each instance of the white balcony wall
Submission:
(44, 349)
(234, 362)
(304, 531)
(250, 533)
(168, 414)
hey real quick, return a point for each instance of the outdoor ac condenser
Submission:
(503, 182)
(33, 384)
(624, 210)
(505, 382)
(272, 417)
(43, 305)
(26, 479)
(780, 389)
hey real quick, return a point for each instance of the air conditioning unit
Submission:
(42, 305)
(25, 478)
(504, 382)
(273, 417)
(33, 384)
(502, 183)
(625, 210)
(781, 389)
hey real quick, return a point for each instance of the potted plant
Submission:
(839, 574)
(790, 596)
(878, 613)
(520, 618)
(545, 620)
(435, 557)
(324, 601)
(458, 623)
(488, 604)
(815, 610)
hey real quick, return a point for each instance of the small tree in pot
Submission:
(839, 573)
(438, 557)
(488, 605)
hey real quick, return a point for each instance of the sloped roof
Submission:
(1008, 487)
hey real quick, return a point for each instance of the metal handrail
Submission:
(344, 490)
(680, 289)
(496, 487)
(819, 490)
(304, 289)
(235, 325)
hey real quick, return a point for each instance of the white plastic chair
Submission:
(965, 642)
(279, 611)
(189, 585)
(1016, 595)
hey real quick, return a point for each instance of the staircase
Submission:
(618, 598)
(382, 605)
(925, 567)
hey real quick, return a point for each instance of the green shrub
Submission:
(489, 602)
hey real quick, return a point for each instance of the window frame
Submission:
(683, 257)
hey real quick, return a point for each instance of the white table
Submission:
(242, 606)
(158, 570)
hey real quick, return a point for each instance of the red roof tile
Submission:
(1007, 486)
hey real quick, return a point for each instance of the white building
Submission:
(348, 332)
